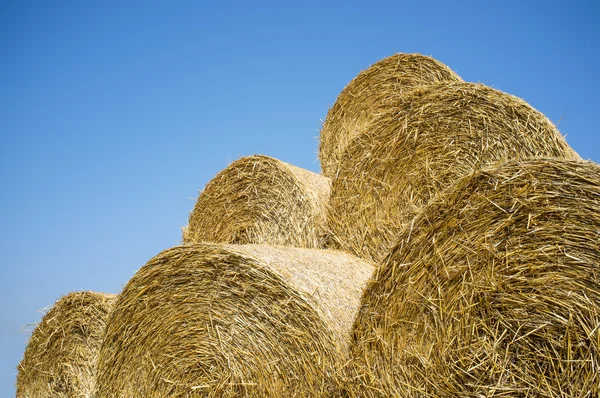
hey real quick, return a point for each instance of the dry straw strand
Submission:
(494, 291)
(233, 320)
(61, 355)
(259, 199)
(419, 146)
(357, 104)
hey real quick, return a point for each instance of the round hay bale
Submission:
(62, 352)
(495, 291)
(258, 199)
(225, 320)
(358, 103)
(421, 145)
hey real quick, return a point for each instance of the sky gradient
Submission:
(113, 116)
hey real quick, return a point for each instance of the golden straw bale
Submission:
(494, 291)
(421, 145)
(62, 352)
(357, 104)
(259, 199)
(214, 320)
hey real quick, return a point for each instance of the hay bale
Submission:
(358, 103)
(225, 320)
(258, 199)
(62, 352)
(421, 145)
(495, 291)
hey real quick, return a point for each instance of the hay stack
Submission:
(258, 199)
(495, 291)
(357, 104)
(61, 356)
(225, 320)
(421, 145)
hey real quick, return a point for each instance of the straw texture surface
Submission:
(494, 291)
(421, 145)
(62, 352)
(258, 199)
(358, 103)
(233, 320)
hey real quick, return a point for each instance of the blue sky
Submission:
(114, 114)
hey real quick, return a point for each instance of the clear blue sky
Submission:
(113, 116)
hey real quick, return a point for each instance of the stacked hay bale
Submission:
(233, 320)
(419, 145)
(61, 356)
(357, 104)
(484, 224)
(259, 199)
(495, 290)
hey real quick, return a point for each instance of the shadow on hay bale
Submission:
(258, 199)
(61, 355)
(495, 291)
(224, 320)
(422, 144)
(357, 104)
